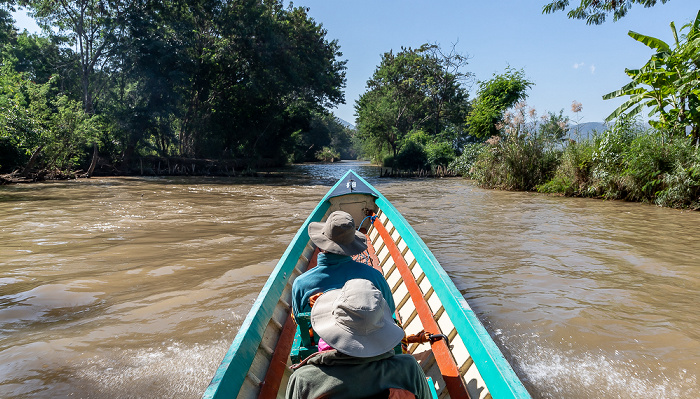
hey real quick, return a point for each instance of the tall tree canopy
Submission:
(493, 98)
(410, 90)
(595, 11)
(226, 79)
(92, 28)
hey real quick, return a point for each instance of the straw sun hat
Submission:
(338, 235)
(356, 320)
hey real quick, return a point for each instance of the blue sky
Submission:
(566, 59)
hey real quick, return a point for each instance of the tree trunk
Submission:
(93, 163)
(32, 161)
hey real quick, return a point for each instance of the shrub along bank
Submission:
(627, 161)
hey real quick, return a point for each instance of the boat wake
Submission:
(556, 373)
(174, 370)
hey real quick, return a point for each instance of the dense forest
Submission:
(111, 86)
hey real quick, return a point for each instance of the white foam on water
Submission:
(559, 374)
(173, 370)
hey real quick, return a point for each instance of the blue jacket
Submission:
(332, 271)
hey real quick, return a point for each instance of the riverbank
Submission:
(625, 162)
(153, 166)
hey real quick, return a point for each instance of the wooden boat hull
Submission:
(470, 366)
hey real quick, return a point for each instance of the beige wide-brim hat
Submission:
(338, 235)
(356, 320)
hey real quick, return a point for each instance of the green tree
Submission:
(443, 81)
(411, 90)
(669, 83)
(324, 130)
(595, 12)
(222, 79)
(41, 58)
(159, 60)
(40, 127)
(92, 27)
(7, 29)
(196, 78)
(272, 68)
(493, 98)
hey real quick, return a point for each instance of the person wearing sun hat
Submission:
(338, 241)
(356, 322)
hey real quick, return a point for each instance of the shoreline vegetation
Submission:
(130, 87)
(231, 89)
(148, 166)
(628, 161)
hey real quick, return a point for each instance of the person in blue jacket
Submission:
(338, 241)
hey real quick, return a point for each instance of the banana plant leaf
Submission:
(625, 106)
(650, 41)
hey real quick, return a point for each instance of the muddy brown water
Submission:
(135, 287)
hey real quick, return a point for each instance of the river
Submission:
(135, 287)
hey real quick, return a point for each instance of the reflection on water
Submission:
(135, 287)
(329, 174)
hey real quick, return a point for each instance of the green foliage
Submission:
(411, 157)
(515, 162)
(645, 160)
(630, 162)
(42, 58)
(682, 182)
(421, 151)
(573, 173)
(439, 154)
(470, 153)
(418, 136)
(608, 159)
(412, 90)
(6, 26)
(595, 12)
(20, 129)
(523, 156)
(388, 161)
(328, 154)
(324, 130)
(200, 78)
(669, 83)
(493, 98)
(35, 118)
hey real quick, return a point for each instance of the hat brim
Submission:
(353, 343)
(357, 246)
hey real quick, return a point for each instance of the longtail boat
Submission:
(467, 364)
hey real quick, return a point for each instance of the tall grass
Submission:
(526, 153)
(515, 162)
(631, 162)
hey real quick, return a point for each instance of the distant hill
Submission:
(345, 123)
(576, 132)
(585, 131)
